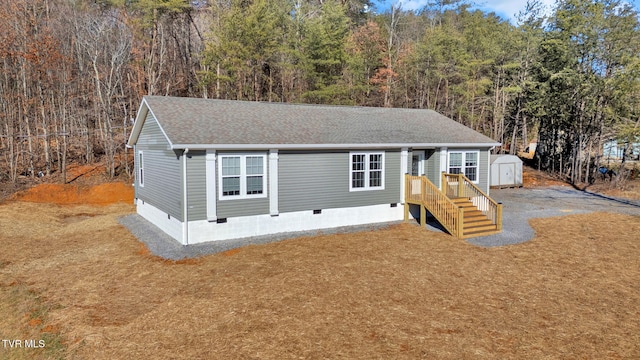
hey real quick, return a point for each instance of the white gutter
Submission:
(185, 227)
(328, 146)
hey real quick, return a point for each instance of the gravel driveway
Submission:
(520, 205)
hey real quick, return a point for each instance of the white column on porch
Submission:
(210, 168)
(488, 170)
(404, 168)
(444, 164)
(273, 182)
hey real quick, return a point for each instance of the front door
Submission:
(417, 163)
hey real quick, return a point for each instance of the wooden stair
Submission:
(452, 206)
(475, 223)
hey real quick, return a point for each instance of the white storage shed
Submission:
(506, 171)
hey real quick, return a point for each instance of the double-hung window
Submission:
(242, 176)
(464, 162)
(366, 171)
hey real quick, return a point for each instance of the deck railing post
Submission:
(443, 183)
(460, 186)
(499, 217)
(460, 223)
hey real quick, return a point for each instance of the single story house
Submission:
(211, 170)
(615, 150)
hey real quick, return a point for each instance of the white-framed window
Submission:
(465, 162)
(140, 169)
(242, 176)
(366, 171)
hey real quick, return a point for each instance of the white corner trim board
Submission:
(210, 168)
(273, 182)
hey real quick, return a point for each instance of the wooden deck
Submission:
(460, 207)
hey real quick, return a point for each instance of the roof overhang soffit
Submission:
(330, 146)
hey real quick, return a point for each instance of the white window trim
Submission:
(243, 176)
(140, 168)
(366, 171)
(464, 157)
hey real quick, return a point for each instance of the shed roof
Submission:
(504, 158)
(207, 123)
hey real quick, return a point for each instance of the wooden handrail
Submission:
(419, 190)
(464, 187)
(466, 184)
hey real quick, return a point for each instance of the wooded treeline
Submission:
(74, 71)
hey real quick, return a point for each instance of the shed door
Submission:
(507, 174)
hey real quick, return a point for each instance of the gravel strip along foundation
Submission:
(520, 205)
(161, 244)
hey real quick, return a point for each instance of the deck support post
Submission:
(423, 194)
(406, 211)
(406, 197)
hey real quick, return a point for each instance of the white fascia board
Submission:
(328, 146)
(139, 121)
(141, 117)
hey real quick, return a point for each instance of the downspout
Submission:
(185, 210)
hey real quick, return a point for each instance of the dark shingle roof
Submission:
(195, 121)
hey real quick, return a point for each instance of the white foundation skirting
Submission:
(159, 218)
(249, 226)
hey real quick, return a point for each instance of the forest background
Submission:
(74, 71)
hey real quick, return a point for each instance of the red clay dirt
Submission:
(69, 194)
(535, 178)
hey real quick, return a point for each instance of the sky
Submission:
(507, 9)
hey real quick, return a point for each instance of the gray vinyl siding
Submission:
(162, 170)
(320, 180)
(432, 165)
(308, 180)
(484, 171)
(151, 136)
(197, 185)
(243, 207)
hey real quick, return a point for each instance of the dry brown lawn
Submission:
(71, 275)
